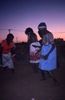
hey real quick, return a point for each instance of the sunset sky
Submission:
(17, 15)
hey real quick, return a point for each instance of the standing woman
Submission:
(30, 37)
(8, 48)
(48, 57)
(33, 49)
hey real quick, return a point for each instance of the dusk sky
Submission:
(17, 15)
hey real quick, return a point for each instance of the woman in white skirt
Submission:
(8, 46)
(33, 48)
(34, 60)
(48, 55)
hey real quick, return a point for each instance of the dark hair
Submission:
(9, 38)
(10, 35)
(28, 30)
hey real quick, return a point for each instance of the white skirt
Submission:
(51, 62)
(33, 51)
(7, 60)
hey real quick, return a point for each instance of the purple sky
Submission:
(20, 14)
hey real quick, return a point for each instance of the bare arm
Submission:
(46, 56)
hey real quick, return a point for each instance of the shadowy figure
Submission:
(48, 59)
(8, 52)
(25, 52)
(29, 32)
(33, 48)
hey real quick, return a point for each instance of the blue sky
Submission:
(20, 14)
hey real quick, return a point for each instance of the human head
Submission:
(10, 37)
(42, 27)
(28, 30)
(31, 35)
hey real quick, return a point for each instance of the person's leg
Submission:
(53, 77)
(43, 75)
(37, 66)
(12, 70)
(34, 67)
(47, 75)
(5, 68)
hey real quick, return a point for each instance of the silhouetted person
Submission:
(33, 43)
(48, 60)
(8, 48)
(29, 32)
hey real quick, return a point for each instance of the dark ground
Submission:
(25, 84)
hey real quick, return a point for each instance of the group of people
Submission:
(42, 53)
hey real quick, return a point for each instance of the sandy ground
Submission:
(25, 84)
